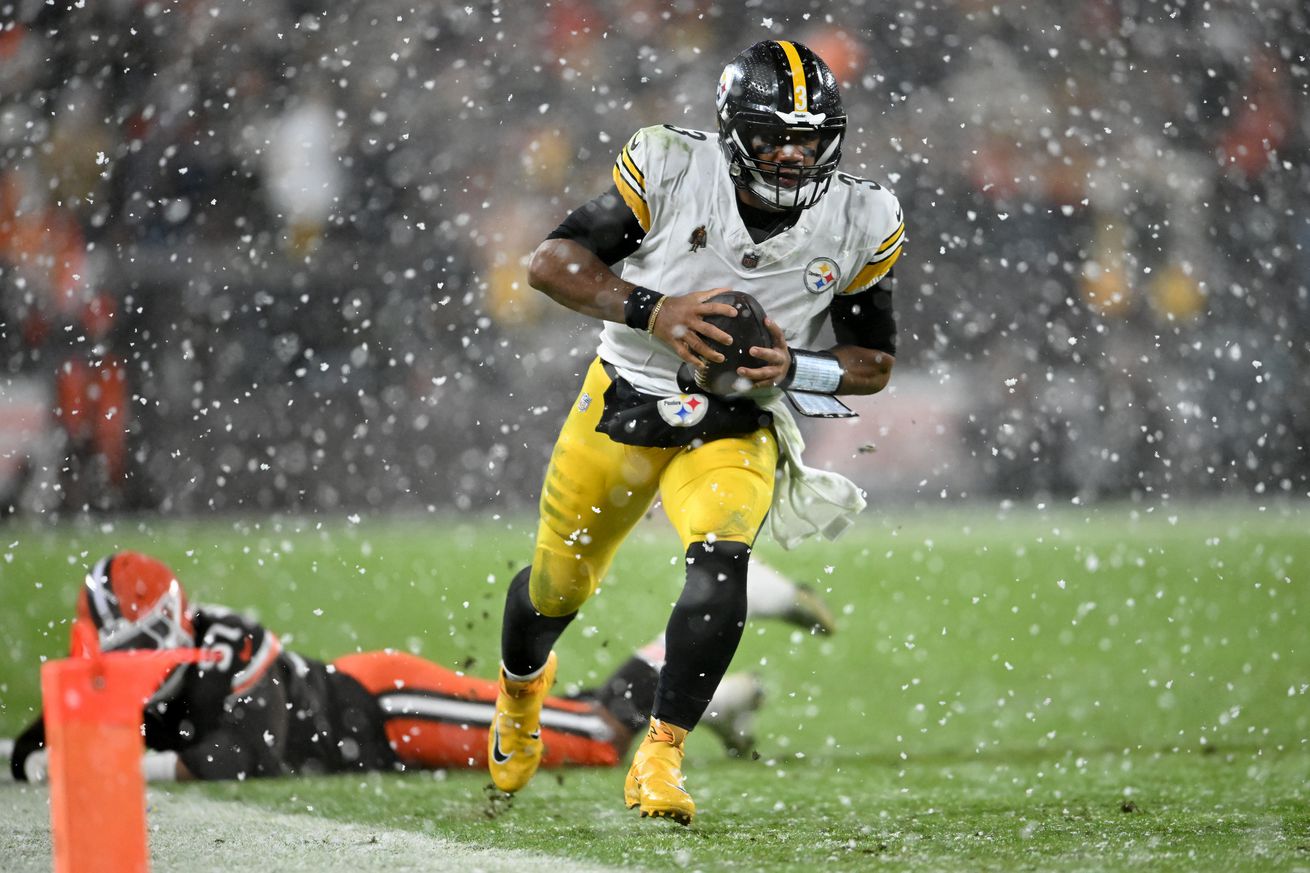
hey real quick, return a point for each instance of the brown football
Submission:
(746, 330)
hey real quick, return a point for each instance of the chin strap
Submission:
(766, 192)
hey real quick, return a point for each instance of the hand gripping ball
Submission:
(746, 330)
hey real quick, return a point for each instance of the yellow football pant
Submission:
(597, 489)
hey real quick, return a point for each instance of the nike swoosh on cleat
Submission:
(496, 754)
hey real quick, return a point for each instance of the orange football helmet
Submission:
(135, 602)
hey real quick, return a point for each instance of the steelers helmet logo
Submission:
(683, 410)
(822, 275)
(725, 85)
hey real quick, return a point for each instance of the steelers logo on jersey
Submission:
(822, 274)
(684, 410)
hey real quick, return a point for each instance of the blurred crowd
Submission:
(270, 254)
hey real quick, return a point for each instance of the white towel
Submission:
(806, 502)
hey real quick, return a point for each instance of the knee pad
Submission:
(560, 584)
(527, 634)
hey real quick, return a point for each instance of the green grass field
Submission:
(1098, 688)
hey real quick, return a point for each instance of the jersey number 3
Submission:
(694, 134)
(848, 179)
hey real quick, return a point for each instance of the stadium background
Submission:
(270, 255)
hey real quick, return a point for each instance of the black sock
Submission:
(703, 631)
(629, 693)
(527, 636)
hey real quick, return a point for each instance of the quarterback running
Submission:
(758, 206)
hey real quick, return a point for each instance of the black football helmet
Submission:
(773, 93)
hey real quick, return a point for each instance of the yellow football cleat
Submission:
(514, 744)
(655, 778)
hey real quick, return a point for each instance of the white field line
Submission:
(189, 832)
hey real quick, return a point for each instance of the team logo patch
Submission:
(584, 401)
(698, 237)
(683, 410)
(725, 85)
(822, 274)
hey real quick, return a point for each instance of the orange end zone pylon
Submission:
(93, 710)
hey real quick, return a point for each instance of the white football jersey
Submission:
(676, 182)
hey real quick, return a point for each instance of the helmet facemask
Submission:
(783, 185)
(161, 627)
(136, 603)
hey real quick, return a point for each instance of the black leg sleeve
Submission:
(527, 636)
(703, 632)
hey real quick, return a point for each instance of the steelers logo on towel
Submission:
(822, 274)
(684, 410)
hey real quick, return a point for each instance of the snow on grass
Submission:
(187, 831)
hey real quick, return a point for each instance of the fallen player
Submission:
(262, 710)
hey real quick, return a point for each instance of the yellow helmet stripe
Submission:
(800, 97)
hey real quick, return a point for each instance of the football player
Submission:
(758, 207)
(262, 710)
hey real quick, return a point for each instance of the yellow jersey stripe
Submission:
(800, 97)
(884, 255)
(631, 196)
(626, 157)
(625, 169)
(872, 273)
(893, 239)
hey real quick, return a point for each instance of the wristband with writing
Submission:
(815, 372)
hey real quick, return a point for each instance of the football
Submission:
(746, 329)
